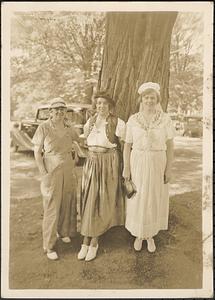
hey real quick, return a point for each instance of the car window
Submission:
(43, 114)
(76, 117)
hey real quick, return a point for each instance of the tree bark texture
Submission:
(136, 50)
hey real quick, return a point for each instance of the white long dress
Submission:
(147, 211)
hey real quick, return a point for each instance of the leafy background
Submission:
(60, 53)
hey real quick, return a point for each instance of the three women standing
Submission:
(148, 156)
(102, 204)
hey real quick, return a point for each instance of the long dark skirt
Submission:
(102, 203)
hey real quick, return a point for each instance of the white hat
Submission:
(149, 85)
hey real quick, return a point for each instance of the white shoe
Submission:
(151, 245)
(66, 239)
(52, 255)
(91, 254)
(83, 252)
(138, 244)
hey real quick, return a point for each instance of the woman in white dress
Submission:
(148, 156)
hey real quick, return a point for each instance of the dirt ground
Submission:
(176, 264)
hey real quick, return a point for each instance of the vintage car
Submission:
(193, 126)
(23, 131)
(178, 123)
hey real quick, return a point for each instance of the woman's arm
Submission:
(170, 157)
(126, 161)
(39, 159)
(120, 133)
(86, 129)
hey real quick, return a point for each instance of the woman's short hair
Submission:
(106, 96)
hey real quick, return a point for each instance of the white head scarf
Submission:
(149, 85)
(154, 86)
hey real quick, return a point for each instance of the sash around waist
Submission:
(100, 149)
(148, 150)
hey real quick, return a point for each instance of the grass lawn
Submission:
(177, 263)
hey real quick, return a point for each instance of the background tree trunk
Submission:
(136, 50)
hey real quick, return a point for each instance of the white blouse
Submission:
(152, 138)
(98, 137)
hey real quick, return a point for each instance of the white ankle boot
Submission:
(91, 254)
(138, 244)
(83, 252)
(151, 245)
(52, 255)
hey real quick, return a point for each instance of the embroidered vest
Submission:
(110, 127)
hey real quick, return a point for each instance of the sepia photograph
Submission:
(107, 149)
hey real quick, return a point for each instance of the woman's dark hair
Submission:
(104, 95)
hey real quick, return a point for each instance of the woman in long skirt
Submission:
(102, 204)
(148, 156)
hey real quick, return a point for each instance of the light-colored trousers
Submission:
(58, 188)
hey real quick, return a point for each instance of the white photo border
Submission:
(205, 7)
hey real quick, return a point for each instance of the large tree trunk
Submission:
(136, 50)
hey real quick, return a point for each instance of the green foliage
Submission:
(186, 74)
(54, 54)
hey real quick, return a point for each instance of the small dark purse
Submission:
(129, 188)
